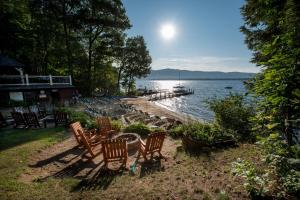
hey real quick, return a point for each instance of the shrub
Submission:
(80, 116)
(177, 131)
(256, 181)
(233, 114)
(138, 128)
(116, 125)
(199, 131)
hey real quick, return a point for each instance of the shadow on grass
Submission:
(76, 151)
(151, 166)
(100, 180)
(13, 137)
(204, 151)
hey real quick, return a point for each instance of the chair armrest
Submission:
(142, 142)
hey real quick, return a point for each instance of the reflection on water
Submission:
(195, 104)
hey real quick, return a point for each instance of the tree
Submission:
(100, 18)
(135, 62)
(272, 30)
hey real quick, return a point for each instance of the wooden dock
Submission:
(165, 94)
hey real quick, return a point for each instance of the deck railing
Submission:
(18, 80)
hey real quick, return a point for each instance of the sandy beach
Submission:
(154, 109)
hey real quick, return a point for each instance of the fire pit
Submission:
(132, 140)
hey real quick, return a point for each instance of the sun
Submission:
(168, 31)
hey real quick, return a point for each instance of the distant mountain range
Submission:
(173, 74)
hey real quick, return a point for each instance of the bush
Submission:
(138, 128)
(116, 125)
(80, 116)
(177, 131)
(256, 181)
(233, 114)
(200, 131)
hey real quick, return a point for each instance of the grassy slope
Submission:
(184, 176)
(15, 148)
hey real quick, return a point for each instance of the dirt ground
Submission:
(181, 176)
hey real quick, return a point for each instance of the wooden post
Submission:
(27, 79)
(50, 79)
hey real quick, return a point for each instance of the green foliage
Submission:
(200, 131)
(256, 181)
(138, 128)
(233, 115)
(135, 62)
(292, 181)
(177, 131)
(116, 125)
(274, 145)
(80, 116)
(272, 33)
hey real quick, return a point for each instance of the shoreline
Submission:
(144, 105)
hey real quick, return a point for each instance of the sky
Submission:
(206, 34)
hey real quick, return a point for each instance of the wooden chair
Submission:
(3, 122)
(91, 135)
(89, 146)
(114, 150)
(35, 109)
(105, 126)
(31, 120)
(61, 118)
(19, 119)
(153, 144)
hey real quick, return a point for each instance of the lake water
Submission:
(195, 104)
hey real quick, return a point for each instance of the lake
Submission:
(195, 104)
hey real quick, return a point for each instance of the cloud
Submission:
(206, 63)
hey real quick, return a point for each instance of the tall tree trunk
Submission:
(90, 67)
(67, 41)
(119, 77)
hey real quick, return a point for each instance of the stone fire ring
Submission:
(132, 140)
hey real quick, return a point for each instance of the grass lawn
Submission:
(180, 177)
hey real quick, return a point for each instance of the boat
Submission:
(228, 87)
(179, 89)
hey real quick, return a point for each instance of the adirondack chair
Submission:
(31, 120)
(89, 146)
(19, 119)
(114, 150)
(35, 109)
(153, 144)
(3, 122)
(105, 126)
(91, 135)
(61, 118)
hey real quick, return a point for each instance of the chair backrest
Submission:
(114, 149)
(20, 109)
(31, 119)
(2, 120)
(155, 141)
(76, 127)
(60, 117)
(34, 109)
(18, 117)
(104, 124)
(85, 142)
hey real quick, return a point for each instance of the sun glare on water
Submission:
(168, 31)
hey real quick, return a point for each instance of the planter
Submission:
(193, 144)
